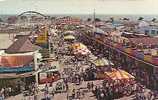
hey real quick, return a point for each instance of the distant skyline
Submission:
(135, 7)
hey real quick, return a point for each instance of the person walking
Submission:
(46, 88)
(10, 91)
(92, 85)
(88, 86)
(73, 93)
(35, 94)
(53, 92)
(2, 93)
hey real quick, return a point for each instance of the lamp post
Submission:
(109, 58)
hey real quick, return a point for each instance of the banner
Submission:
(43, 38)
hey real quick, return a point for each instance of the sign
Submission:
(42, 39)
(50, 69)
(43, 75)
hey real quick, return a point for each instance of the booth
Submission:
(49, 74)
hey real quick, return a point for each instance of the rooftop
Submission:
(22, 45)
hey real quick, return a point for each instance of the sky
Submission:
(135, 7)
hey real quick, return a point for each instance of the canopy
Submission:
(69, 32)
(102, 62)
(69, 37)
(119, 75)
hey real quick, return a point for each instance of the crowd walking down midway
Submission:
(79, 78)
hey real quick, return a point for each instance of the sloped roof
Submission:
(23, 44)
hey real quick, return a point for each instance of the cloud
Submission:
(2, 0)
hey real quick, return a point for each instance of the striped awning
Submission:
(14, 75)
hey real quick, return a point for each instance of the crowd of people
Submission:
(108, 90)
(117, 89)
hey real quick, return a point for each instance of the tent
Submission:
(102, 62)
(119, 75)
(99, 31)
(69, 37)
(82, 51)
(79, 48)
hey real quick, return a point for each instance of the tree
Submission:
(127, 19)
(12, 19)
(111, 19)
(140, 18)
(1, 20)
(97, 20)
(53, 18)
(153, 20)
(89, 19)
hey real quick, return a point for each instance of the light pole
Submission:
(109, 54)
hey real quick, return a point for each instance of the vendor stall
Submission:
(50, 73)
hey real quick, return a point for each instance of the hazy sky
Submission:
(80, 6)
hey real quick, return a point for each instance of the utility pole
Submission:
(94, 22)
(94, 17)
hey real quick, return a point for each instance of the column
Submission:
(36, 66)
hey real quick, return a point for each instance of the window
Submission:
(152, 31)
(146, 31)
